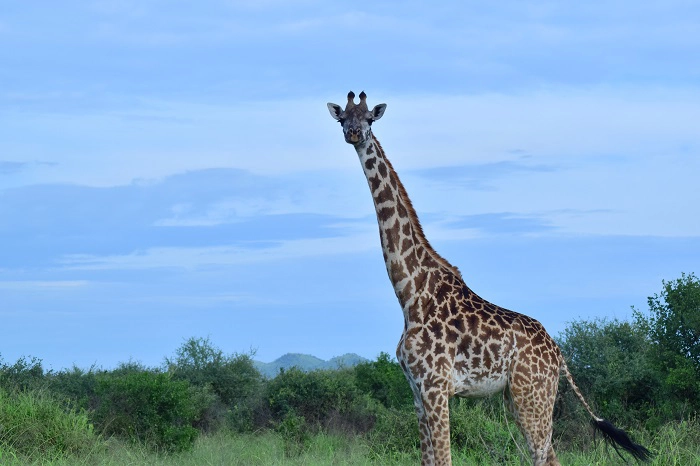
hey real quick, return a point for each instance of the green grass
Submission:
(266, 449)
(674, 444)
(37, 430)
(34, 425)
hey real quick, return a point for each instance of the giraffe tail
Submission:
(612, 435)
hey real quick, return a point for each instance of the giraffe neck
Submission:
(408, 255)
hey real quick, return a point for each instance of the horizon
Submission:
(170, 171)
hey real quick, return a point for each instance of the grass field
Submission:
(674, 446)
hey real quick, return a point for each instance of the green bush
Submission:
(25, 374)
(325, 399)
(146, 406)
(672, 324)
(610, 360)
(673, 319)
(233, 379)
(642, 373)
(384, 381)
(35, 426)
(76, 386)
(210, 413)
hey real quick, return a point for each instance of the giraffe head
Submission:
(356, 119)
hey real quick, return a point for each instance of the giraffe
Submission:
(454, 342)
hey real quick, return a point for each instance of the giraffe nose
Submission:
(353, 134)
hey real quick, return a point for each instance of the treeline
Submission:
(644, 372)
(641, 374)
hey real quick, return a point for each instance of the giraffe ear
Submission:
(378, 111)
(335, 110)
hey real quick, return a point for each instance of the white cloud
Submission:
(636, 194)
(232, 211)
(163, 138)
(196, 257)
(623, 156)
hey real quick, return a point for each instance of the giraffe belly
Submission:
(479, 383)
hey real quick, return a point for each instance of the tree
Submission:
(233, 378)
(673, 326)
(674, 318)
(384, 380)
(229, 387)
(610, 361)
(25, 374)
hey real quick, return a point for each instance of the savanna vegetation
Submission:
(206, 407)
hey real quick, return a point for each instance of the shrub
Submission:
(325, 399)
(672, 324)
(233, 379)
(76, 386)
(384, 381)
(210, 413)
(146, 406)
(611, 363)
(25, 374)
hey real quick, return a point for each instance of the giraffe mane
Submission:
(413, 216)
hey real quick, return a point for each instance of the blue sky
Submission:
(169, 169)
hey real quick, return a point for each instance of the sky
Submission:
(169, 169)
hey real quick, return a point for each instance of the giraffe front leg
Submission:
(426, 444)
(433, 412)
(438, 420)
(430, 398)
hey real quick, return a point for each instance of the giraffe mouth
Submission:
(354, 137)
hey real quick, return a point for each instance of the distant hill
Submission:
(306, 363)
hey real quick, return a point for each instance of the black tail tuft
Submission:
(618, 437)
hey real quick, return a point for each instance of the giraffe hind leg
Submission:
(532, 405)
